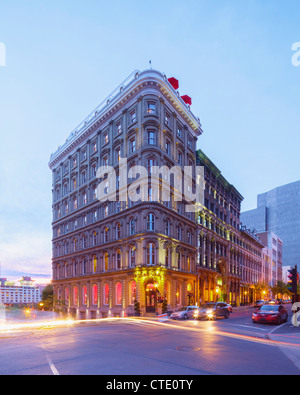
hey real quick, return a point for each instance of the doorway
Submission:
(151, 293)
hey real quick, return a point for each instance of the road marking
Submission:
(52, 366)
(249, 326)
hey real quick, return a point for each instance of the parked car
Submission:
(213, 311)
(270, 313)
(258, 303)
(184, 313)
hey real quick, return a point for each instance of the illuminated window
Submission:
(106, 261)
(75, 296)
(95, 263)
(95, 294)
(118, 293)
(106, 211)
(106, 295)
(132, 257)
(179, 260)
(132, 292)
(167, 259)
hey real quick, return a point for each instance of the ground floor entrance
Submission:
(150, 297)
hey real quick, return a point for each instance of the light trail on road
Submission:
(17, 327)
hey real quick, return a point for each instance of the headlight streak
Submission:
(7, 328)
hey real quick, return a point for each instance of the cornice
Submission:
(123, 94)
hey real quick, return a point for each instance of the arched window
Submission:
(106, 235)
(84, 295)
(150, 222)
(118, 259)
(106, 294)
(132, 292)
(118, 293)
(179, 260)
(167, 258)
(94, 238)
(106, 261)
(168, 291)
(118, 231)
(84, 266)
(132, 257)
(84, 241)
(167, 228)
(150, 254)
(75, 296)
(67, 296)
(132, 226)
(95, 263)
(95, 294)
(179, 232)
(189, 263)
(106, 211)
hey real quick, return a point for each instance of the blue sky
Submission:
(64, 57)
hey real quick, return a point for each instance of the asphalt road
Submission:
(144, 347)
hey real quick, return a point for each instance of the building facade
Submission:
(25, 293)
(278, 211)
(229, 257)
(106, 255)
(109, 254)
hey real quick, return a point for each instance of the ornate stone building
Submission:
(107, 254)
(229, 257)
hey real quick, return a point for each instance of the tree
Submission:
(47, 297)
(280, 288)
(137, 309)
(261, 288)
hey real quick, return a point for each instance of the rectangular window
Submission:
(119, 128)
(151, 137)
(151, 108)
(132, 145)
(133, 117)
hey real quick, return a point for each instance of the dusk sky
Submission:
(234, 58)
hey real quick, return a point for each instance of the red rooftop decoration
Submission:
(174, 82)
(187, 99)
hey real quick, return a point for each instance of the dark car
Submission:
(270, 313)
(213, 311)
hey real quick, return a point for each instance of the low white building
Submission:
(25, 293)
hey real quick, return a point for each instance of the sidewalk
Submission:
(289, 344)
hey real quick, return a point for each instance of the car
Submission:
(212, 311)
(258, 303)
(270, 313)
(184, 312)
(229, 308)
